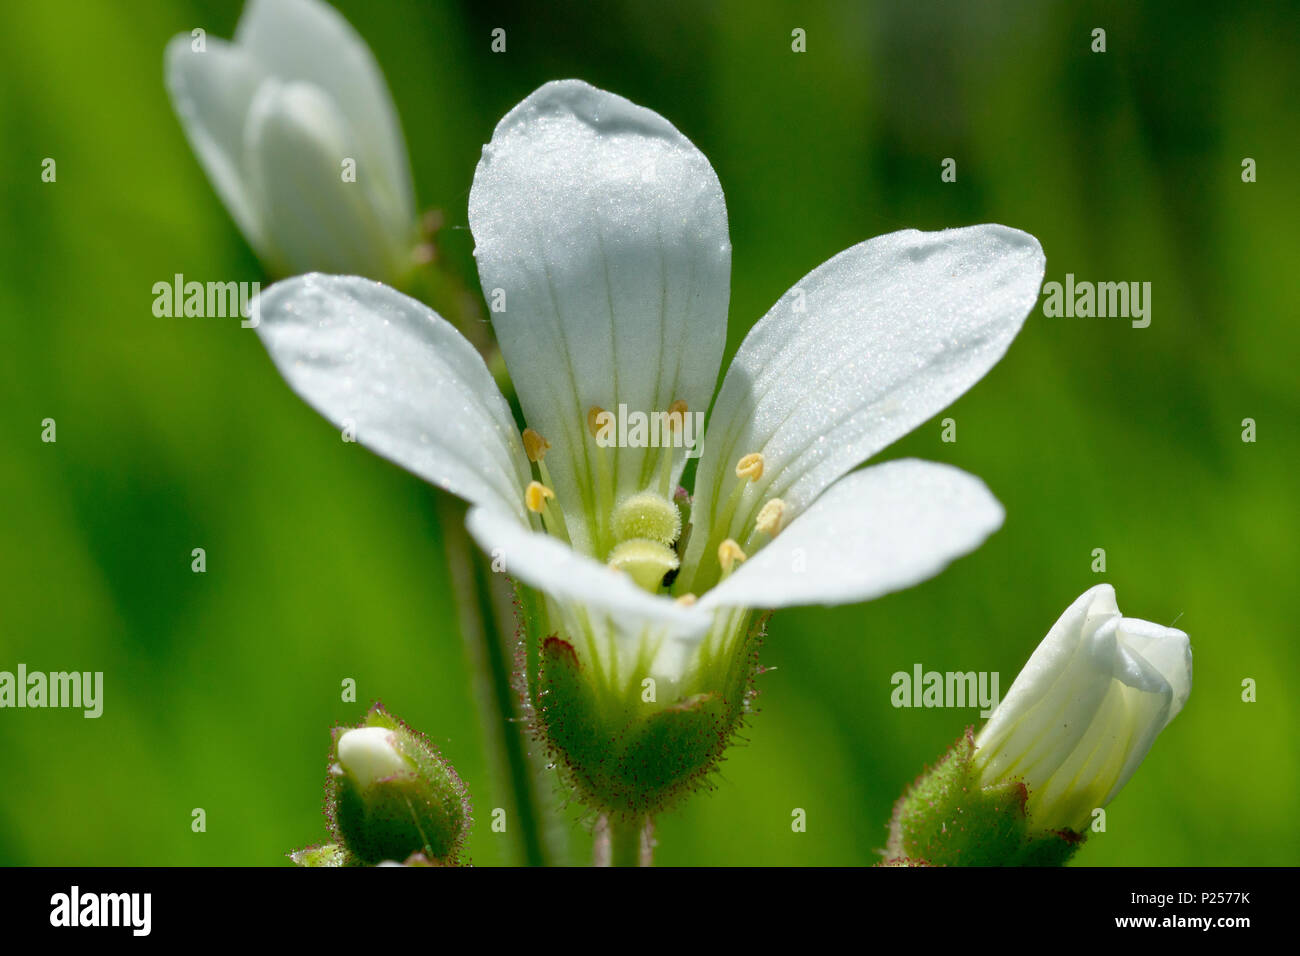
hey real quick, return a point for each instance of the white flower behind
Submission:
(1085, 710)
(602, 231)
(274, 117)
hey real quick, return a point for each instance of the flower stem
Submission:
(624, 842)
(471, 581)
(476, 589)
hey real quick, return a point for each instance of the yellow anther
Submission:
(597, 422)
(729, 555)
(535, 446)
(677, 415)
(770, 517)
(536, 495)
(686, 600)
(751, 466)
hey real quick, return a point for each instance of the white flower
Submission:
(280, 120)
(370, 754)
(1085, 710)
(602, 244)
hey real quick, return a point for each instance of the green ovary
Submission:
(645, 526)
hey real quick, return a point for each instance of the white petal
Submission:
(413, 389)
(314, 219)
(877, 530)
(1084, 712)
(606, 231)
(862, 350)
(1102, 740)
(1059, 730)
(370, 754)
(310, 41)
(1053, 698)
(568, 576)
(1166, 649)
(1051, 657)
(1163, 655)
(211, 92)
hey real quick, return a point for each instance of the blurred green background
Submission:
(324, 562)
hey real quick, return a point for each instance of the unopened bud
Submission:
(392, 796)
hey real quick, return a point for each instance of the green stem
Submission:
(624, 841)
(498, 703)
(474, 586)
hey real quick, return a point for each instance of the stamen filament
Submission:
(666, 471)
(540, 499)
(751, 467)
(676, 422)
(604, 482)
(554, 513)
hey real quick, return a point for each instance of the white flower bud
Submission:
(1085, 710)
(370, 754)
(391, 796)
(314, 219)
(296, 129)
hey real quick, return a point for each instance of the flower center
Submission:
(645, 527)
(642, 533)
